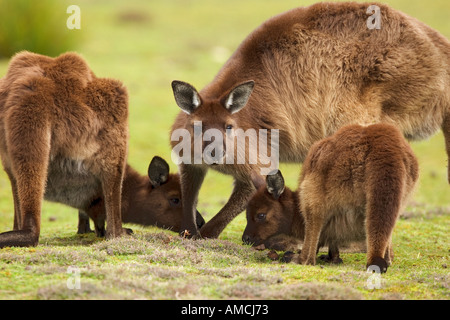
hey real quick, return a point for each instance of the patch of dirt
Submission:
(133, 16)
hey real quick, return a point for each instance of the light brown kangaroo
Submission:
(273, 220)
(146, 200)
(57, 106)
(308, 72)
(353, 186)
(63, 135)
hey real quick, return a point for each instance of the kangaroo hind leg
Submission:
(28, 146)
(383, 205)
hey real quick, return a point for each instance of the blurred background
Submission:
(147, 44)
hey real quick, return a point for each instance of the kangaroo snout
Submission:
(250, 240)
(246, 239)
(214, 153)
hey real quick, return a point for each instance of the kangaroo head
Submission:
(270, 213)
(211, 118)
(159, 203)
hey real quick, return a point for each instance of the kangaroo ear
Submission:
(275, 184)
(238, 97)
(186, 96)
(158, 171)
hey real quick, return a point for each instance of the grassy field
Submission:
(147, 44)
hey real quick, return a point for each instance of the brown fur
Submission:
(274, 222)
(144, 201)
(316, 69)
(59, 122)
(63, 138)
(353, 183)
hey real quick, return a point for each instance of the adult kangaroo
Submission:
(308, 72)
(63, 136)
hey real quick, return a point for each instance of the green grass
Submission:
(147, 44)
(21, 22)
(160, 265)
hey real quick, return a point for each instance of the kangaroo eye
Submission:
(174, 201)
(229, 127)
(261, 216)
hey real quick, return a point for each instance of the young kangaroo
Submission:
(308, 72)
(353, 186)
(146, 200)
(273, 220)
(63, 136)
(273, 217)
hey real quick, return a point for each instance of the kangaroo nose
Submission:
(215, 155)
(246, 239)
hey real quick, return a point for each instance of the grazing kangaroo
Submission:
(146, 200)
(273, 220)
(63, 136)
(308, 72)
(353, 186)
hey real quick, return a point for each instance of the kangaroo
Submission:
(63, 136)
(273, 220)
(146, 200)
(60, 123)
(308, 72)
(353, 186)
(272, 217)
